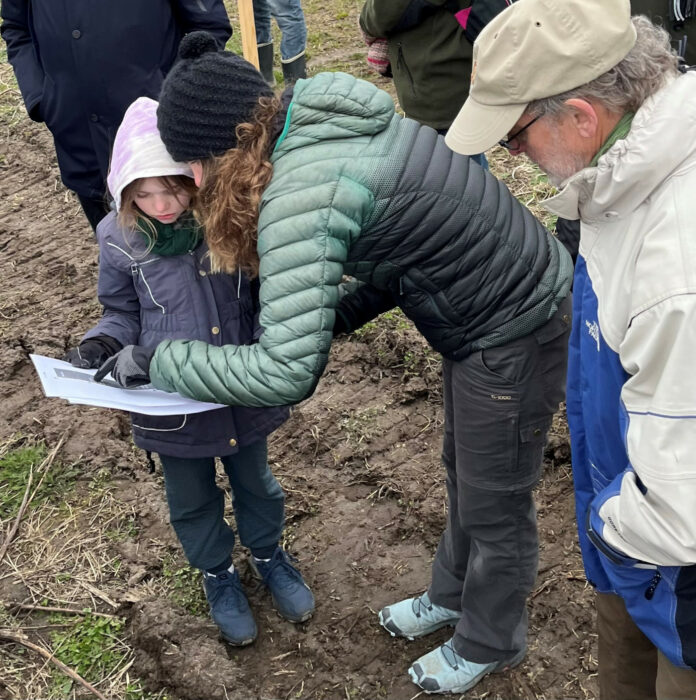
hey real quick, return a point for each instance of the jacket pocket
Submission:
(424, 302)
(530, 452)
(158, 424)
(402, 66)
(489, 411)
(43, 110)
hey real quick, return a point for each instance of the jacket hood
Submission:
(661, 139)
(139, 151)
(334, 106)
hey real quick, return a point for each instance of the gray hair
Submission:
(628, 84)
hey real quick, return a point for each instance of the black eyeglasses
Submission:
(507, 143)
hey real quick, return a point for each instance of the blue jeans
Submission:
(480, 158)
(291, 22)
(196, 505)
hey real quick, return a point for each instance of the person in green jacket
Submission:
(328, 182)
(429, 54)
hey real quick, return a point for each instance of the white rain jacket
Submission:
(632, 373)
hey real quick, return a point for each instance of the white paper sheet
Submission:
(62, 380)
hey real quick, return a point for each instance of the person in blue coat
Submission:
(79, 64)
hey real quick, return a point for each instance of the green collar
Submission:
(620, 131)
(171, 239)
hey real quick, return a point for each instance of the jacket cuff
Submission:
(34, 110)
(594, 526)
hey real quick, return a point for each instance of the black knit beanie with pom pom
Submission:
(206, 94)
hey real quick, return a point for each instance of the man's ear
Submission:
(584, 116)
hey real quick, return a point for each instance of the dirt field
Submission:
(359, 461)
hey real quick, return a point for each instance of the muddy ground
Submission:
(359, 461)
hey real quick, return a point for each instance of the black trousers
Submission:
(95, 209)
(499, 404)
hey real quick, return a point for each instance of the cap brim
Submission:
(479, 127)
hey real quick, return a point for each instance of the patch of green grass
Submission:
(360, 426)
(124, 529)
(90, 646)
(185, 588)
(391, 321)
(15, 467)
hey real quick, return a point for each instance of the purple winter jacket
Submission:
(148, 298)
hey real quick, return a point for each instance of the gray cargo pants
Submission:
(499, 404)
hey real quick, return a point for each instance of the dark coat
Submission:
(658, 12)
(430, 56)
(80, 63)
(148, 298)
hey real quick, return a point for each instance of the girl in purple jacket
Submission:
(155, 283)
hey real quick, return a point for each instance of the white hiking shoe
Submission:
(444, 671)
(416, 617)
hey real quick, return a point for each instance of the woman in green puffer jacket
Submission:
(337, 184)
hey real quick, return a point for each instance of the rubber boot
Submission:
(265, 52)
(294, 69)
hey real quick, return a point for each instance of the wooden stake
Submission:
(55, 608)
(247, 29)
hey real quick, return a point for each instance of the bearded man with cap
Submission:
(598, 101)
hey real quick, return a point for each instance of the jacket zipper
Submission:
(650, 590)
(135, 269)
(401, 62)
(142, 277)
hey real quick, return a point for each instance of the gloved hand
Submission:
(130, 367)
(92, 352)
(340, 324)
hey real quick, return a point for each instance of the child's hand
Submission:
(92, 352)
(130, 367)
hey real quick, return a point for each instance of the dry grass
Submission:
(60, 574)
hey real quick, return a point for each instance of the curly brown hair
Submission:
(228, 199)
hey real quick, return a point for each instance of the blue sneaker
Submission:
(416, 617)
(444, 671)
(229, 607)
(291, 595)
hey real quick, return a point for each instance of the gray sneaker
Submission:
(416, 617)
(443, 671)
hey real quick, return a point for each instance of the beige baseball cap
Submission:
(535, 49)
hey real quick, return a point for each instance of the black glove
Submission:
(92, 352)
(130, 367)
(340, 324)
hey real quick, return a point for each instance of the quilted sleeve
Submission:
(304, 240)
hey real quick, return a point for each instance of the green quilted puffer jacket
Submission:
(357, 190)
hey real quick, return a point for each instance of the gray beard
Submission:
(562, 165)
